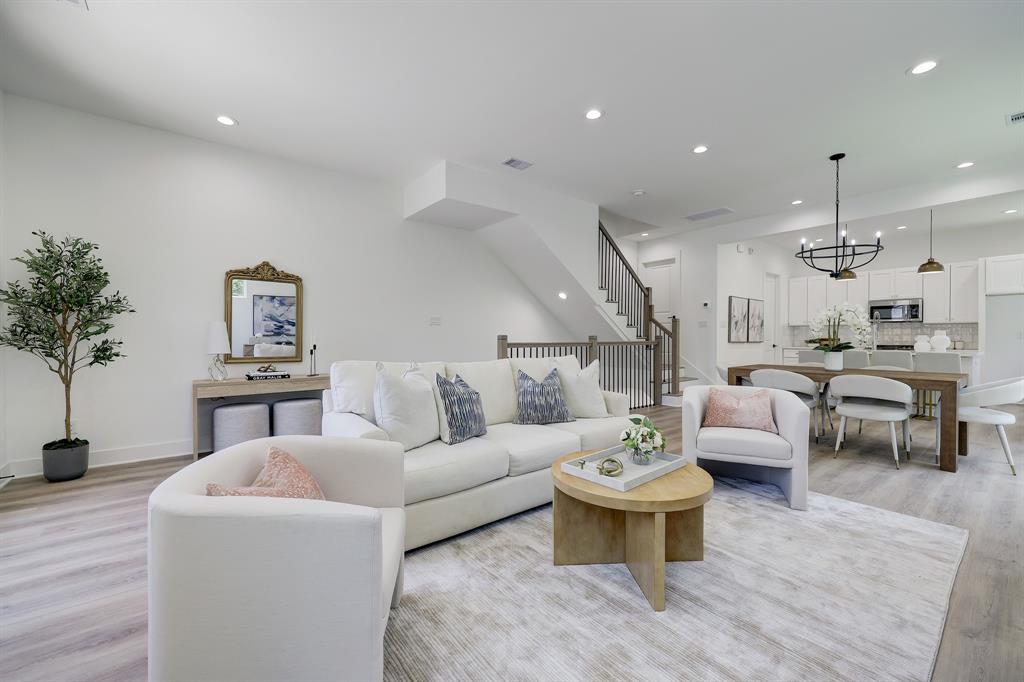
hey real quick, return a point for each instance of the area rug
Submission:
(842, 591)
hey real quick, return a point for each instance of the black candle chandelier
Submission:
(841, 259)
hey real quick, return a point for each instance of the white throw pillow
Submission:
(404, 407)
(582, 391)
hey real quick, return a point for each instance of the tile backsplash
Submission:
(903, 333)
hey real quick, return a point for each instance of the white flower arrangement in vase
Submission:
(825, 328)
(642, 440)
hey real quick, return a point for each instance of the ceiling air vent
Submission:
(1014, 119)
(518, 164)
(713, 213)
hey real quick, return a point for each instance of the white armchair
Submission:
(262, 588)
(747, 453)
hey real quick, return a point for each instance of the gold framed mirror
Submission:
(263, 312)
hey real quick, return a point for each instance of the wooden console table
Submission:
(203, 389)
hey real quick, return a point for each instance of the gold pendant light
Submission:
(931, 265)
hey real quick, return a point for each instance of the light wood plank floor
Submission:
(73, 572)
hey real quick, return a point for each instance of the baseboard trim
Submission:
(5, 470)
(105, 458)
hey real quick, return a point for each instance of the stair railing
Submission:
(635, 368)
(622, 285)
(669, 336)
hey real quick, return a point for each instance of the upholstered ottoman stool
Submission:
(238, 423)
(298, 417)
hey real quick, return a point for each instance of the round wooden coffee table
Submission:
(659, 521)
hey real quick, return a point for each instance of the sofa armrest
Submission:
(328, 401)
(617, 404)
(349, 425)
(694, 403)
(793, 418)
(230, 578)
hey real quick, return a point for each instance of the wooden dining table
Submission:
(952, 434)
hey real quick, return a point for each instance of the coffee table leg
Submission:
(684, 535)
(645, 554)
(585, 534)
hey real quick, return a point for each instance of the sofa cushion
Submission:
(493, 379)
(531, 447)
(404, 407)
(437, 469)
(352, 383)
(727, 440)
(540, 402)
(595, 434)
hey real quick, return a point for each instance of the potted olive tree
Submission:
(62, 317)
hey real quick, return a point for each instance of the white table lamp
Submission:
(216, 346)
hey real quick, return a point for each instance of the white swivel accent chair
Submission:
(804, 388)
(780, 459)
(271, 588)
(974, 408)
(862, 396)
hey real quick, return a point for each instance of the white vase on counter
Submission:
(834, 361)
(922, 343)
(939, 341)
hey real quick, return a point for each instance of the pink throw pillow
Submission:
(281, 476)
(751, 411)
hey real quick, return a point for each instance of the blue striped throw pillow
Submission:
(541, 402)
(462, 408)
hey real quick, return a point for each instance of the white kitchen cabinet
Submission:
(857, 291)
(935, 295)
(1004, 275)
(835, 291)
(880, 285)
(906, 283)
(963, 292)
(797, 301)
(815, 295)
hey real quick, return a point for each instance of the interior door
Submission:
(772, 351)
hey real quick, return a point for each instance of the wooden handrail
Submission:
(615, 247)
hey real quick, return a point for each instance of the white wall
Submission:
(4, 467)
(741, 273)
(172, 213)
(906, 248)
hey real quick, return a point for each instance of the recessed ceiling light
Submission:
(226, 120)
(1009, 211)
(562, 295)
(797, 202)
(644, 234)
(639, 193)
(700, 149)
(594, 114)
(965, 164)
(902, 227)
(923, 67)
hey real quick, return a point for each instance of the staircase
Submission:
(631, 300)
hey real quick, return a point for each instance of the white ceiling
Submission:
(387, 89)
(973, 213)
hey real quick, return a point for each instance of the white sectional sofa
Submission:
(450, 489)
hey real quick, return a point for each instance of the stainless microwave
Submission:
(902, 310)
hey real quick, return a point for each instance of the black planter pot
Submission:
(66, 464)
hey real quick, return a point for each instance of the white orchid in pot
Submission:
(825, 328)
(642, 440)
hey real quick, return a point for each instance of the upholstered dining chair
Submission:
(975, 408)
(855, 359)
(803, 387)
(811, 357)
(862, 396)
(892, 359)
(780, 459)
(277, 588)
